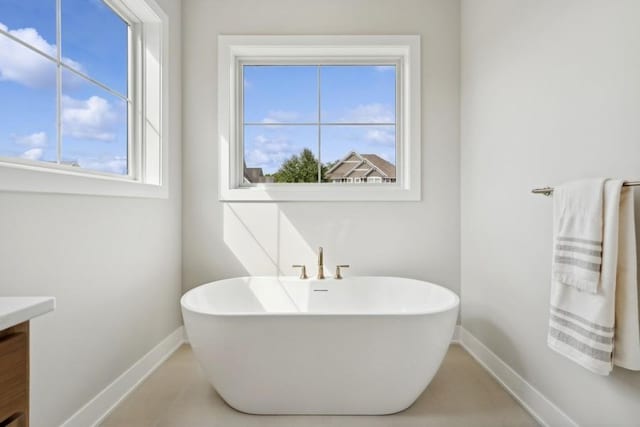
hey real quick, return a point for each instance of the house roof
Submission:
(386, 167)
(356, 165)
(253, 174)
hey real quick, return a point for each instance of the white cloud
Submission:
(380, 136)
(369, 113)
(21, 65)
(385, 68)
(115, 164)
(269, 153)
(93, 118)
(32, 154)
(38, 139)
(280, 116)
(98, 4)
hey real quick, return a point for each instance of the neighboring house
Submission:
(255, 176)
(359, 168)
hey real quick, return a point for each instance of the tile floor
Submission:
(461, 394)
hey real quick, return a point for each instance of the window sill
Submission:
(33, 179)
(320, 193)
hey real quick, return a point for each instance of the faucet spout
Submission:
(320, 264)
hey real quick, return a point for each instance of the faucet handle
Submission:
(303, 270)
(338, 267)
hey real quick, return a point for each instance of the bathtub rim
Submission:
(455, 305)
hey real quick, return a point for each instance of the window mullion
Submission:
(59, 80)
(95, 82)
(27, 45)
(319, 85)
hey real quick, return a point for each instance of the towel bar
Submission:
(548, 191)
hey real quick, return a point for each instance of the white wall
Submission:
(112, 263)
(418, 240)
(550, 92)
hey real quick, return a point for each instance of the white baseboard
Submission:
(537, 404)
(96, 410)
(541, 408)
(455, 339)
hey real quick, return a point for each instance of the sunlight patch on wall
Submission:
(264, 240)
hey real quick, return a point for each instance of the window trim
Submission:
(233, 51)
(147, 150)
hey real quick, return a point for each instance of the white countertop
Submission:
(15, 310)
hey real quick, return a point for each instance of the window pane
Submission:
(358, 93)
(32, 21)
(95, 41)
(94, 127)
(280, 153)
(358, 154)
(28, 119)
(280, 94)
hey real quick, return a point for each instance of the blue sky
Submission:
(275, 96)
(94, 122)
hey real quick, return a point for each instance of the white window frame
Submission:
(148, 122)
(403, 50)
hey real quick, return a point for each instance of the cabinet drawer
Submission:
(15, 421)
(14, 374)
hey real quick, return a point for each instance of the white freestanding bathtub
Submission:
(280, 345)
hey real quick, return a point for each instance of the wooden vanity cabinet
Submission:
(14, 376)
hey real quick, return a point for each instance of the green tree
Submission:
(299, 168)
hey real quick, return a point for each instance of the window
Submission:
(299, 113)
(82, 94)
(318, 123)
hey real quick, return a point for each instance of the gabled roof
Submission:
(387, 168)
(361, 165)
(253, 174)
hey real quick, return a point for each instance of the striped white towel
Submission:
(626, 346)
(577, 254)
(581, 324)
